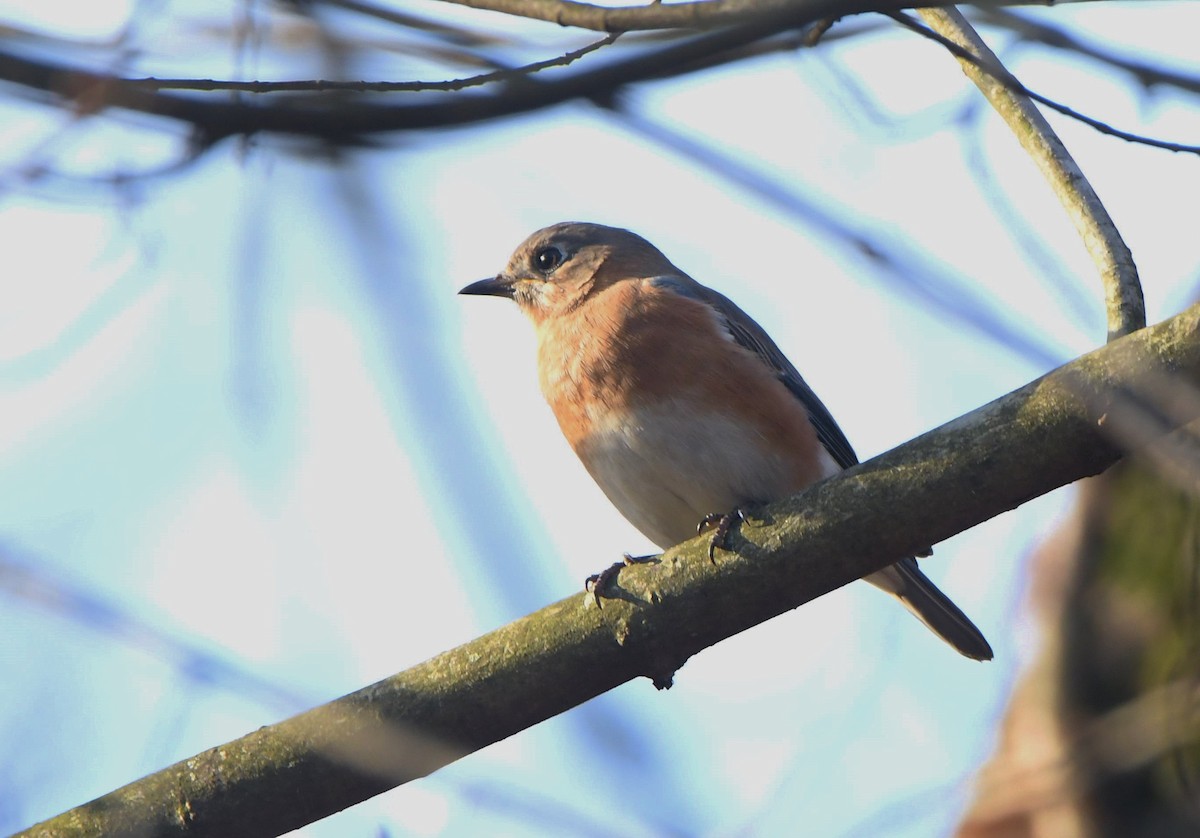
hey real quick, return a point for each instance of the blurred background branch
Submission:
(742, 25)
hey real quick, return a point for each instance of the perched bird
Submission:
(678, 404)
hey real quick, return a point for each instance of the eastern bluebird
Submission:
(678, 404)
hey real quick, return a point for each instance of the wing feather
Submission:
(751, 336)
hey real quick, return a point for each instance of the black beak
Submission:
(496, 286)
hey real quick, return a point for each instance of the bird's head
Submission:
(559, 267)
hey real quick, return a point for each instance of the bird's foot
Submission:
(719, 524)
(597, 583)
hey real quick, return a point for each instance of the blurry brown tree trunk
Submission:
(1101, 735)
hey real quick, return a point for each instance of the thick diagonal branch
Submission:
(1074, 422)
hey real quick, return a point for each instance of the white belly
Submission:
(666, 467)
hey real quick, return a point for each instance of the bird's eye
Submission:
(547, 259)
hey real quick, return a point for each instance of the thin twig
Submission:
(1122, 289)
(322, 85)
(1148, 75)
(1010, 81)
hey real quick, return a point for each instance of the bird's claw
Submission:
(597, 583)
(719, 524)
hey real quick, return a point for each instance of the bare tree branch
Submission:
(702, 14)
(699, 14)
(1147, 75)
(1009, 80)
(346, 117)
(1122, 290)
(350, 118)
(1044, 435)
(316, 85)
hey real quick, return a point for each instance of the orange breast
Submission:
(633, 347)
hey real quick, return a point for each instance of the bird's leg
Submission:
(718, 523)
(598, 582)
